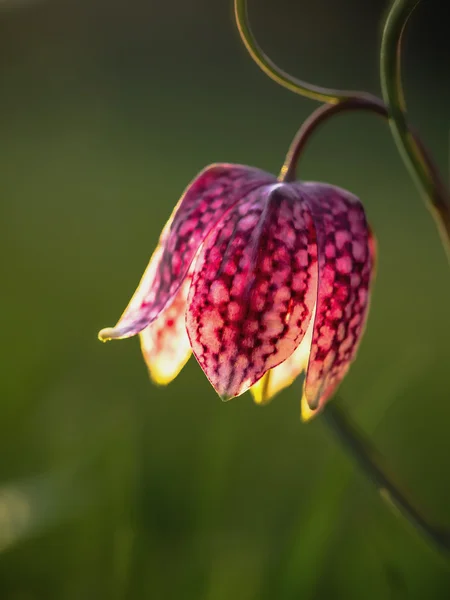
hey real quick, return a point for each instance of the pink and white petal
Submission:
(205, 201)
(164, 343)
(282, 376)
(253, 289)
(346, 264)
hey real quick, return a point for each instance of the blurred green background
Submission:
(113, 488)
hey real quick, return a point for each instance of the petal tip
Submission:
(307, 413)
(106, 334)
(158, 379)
(260, 390)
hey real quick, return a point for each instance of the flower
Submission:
(260, 279)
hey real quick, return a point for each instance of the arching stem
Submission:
(419, 163)
(435, 194)
(424, 173)
(317, 118)
(309, 90)
(325, 112)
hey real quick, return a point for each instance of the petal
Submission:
(164, 343)
(282, 376)
(253, 289)
(346, 261)
(205, 201)
(306, 412)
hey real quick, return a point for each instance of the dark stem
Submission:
(371, 462)
(319, 116)
(325, 112)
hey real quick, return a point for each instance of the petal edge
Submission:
(204, 202)
(346, 260)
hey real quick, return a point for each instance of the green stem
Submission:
(371, 462)
(424, 173)
(325, 112)
(419, 163)
(434, 192)
(314, 92)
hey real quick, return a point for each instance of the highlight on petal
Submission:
(282, 376)
(205, 201)
(253, 289)
(346, 260)
(164, 343)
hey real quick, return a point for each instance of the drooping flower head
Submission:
(261, 279)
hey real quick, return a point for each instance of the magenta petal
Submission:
(253, 289)
(346, 264)
(206, 200)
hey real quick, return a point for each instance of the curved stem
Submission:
(435, 193)
(319, 116)
(322, 114)
(309, 90)
(424, 173)
(419, 163)
(371, 462)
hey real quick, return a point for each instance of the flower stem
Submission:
(309, 90)
(326, 111)
(319, 116)
(435, 194)
(419, 163)
(369, 459)
(424, 173)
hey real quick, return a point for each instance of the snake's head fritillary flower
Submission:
(261, 280)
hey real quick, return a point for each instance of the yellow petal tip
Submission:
(256, 392)
(306, 413)
(159, 379)
(106, 334)
(261, 391)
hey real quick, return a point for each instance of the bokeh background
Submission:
(112, 488)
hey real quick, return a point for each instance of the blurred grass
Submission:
(112, 488)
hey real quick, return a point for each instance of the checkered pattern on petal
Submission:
(204, 203)
(253, 289)
(346, 256)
